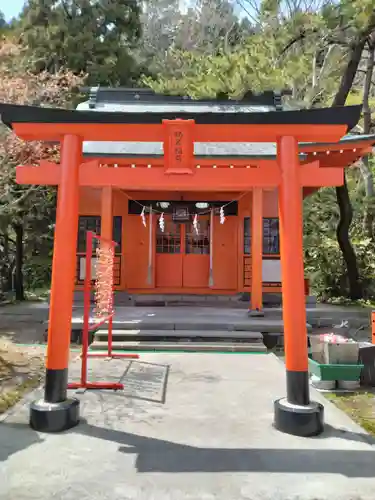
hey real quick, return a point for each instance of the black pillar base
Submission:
(54, 417)
(304, 421)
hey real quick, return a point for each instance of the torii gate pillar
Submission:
(256, 303)
(295, 414)
(56, 412)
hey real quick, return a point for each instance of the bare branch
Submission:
(68, 15)
(365, 72)
(367, 87)
(297, 38)
(21, 199)
(240, 3)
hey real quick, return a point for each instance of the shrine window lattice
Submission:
(271, 238)
(93, 223)
(170, 240)
(271, 247)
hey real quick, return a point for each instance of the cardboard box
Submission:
(317, 348)
(346, 353)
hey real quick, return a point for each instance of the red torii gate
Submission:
(295, 414)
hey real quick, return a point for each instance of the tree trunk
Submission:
(347, 78)
(19, 288)
(7, 266)
(368, 215)
(342, 193)
(342, 232)
(367, 86)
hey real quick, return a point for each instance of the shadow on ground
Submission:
(330, 431)
(157, 455)
(15, 438)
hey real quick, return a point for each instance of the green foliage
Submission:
(359, 406)
(305, 51)
(37, 273)
(38, 240)
(323, 260)
(324, 264)
(93, 37)
(280, 55)
(233, 73)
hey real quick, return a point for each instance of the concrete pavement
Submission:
(188, 426)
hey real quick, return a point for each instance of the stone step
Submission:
(315, 318)
(331, 322)
(237, 301)
(182, 303)
(249, 325)
(337, 315)
(335, 319)
(181, 346)
(174, 335)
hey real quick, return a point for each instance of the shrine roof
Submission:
(115, 113)
(148, 100)
(223, 114)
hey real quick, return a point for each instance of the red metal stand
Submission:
(83, 383)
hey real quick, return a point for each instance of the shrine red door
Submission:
(183, 255)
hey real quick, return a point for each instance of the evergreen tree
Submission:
(3, 24)
(87, 36)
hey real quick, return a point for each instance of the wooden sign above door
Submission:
(178, 146)
(181, 214)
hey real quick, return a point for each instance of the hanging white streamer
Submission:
(211, 275)
(162, 223)
(150, 250)
(222, 215)
(143, 216)
(196, 224)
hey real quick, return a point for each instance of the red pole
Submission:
(295, 414)
(373, 327)
(65, 413)
(256, 252)
(86, 307)
(116, 386)
(110, 325)
(293, 285)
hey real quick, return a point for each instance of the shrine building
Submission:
(189, 248)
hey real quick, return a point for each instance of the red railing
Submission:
(87, 327)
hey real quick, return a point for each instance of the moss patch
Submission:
(11, 396)
(360, 406)
(38, 294)
(20, 371)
